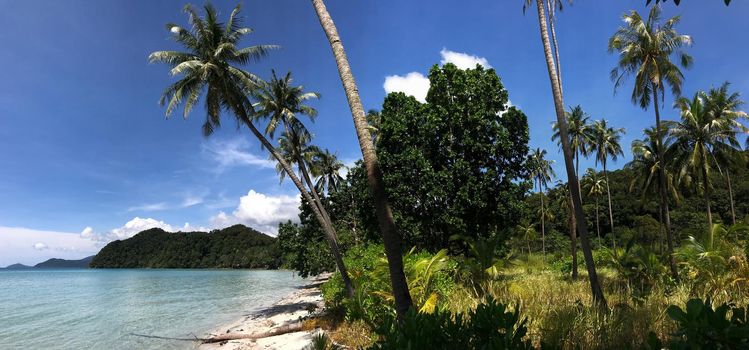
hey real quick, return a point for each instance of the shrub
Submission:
(490, 326)
(702, 327)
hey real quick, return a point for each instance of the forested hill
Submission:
(233, 247)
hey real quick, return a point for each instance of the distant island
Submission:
(55, 263)
(237, 247)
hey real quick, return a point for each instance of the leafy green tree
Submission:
(455, 164)
(552, 66)
(606, 144)
(645, 48)
(541, 172)
(210, 66)
(390, 235)
(528, 233)
(563, 199)
(698, 137)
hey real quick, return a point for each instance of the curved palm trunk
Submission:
(327, 228)
(573, 235)
(543, 228)
(573, 183)
(706, 195)
(390, 236)
(318, 201)
(598, 224)
(663, 187)
(730, 196)
(552, 25)
(611, 212)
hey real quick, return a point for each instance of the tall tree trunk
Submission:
(552, 26)
(663, 189)
(543, 219)
(327, 228)
(573, 183)
(660, 231)
(706, 195)
(390, 235)
(598, 225)
(611, 212)
(315, 195)
(730, 196)
(573, 235)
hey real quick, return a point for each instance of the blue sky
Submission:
(86, 154)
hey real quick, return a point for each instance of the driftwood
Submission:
(289, 328)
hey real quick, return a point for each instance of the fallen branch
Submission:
(290, 328)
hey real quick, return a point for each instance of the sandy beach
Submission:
(301, 304)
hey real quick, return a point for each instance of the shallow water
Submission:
(102, 308)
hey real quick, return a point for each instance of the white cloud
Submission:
(190, 201)
(133, 227)
(261, 212)
(234, 153)
(27, 246)
(149, 207)
(414, 84)
(462, 60)
(417, 85)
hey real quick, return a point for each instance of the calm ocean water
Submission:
(100, 309)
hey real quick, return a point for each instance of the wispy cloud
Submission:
(149, 207)
(234, 153)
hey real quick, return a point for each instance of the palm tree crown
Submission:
(540, 168)
(580, 132)
(606, 142)
(645, 48)
(280, 102)
(209, 66)
(328, 169)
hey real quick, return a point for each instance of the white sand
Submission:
(297, 305)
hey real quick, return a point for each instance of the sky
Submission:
(87, 155)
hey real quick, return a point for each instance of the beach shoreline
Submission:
(306, 301)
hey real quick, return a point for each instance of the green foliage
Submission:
(490, 326)
(640, 268)
(428, 276)
(233, 247)
(455, 164)
(702, 327)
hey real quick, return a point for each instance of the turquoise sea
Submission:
(103, 308)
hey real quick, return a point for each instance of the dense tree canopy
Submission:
(455, 164)
(237, 246)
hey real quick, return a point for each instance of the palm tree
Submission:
(564, 200)
(528, 231)
(541, 172)
(281, 103)
(374, 118)
(551, 7)
(574, 185)
(699, 136)
(723, 105)
(581, 133)
(328, 171)
(606, 145)
(593, 184)
(645, 166)
(210, 66)
(390, 236)
(645, 49)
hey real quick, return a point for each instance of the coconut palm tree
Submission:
(645, 48)
(541, 172)
(594, 185)
(723, 105)
(698, 137)
(574, 185)
(210, 66)
(390, 236)
(280, 102)
(607, 145)
(581, 133)
(564, 200)
(528, 232)
(328, 171)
